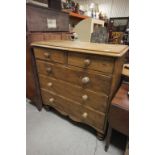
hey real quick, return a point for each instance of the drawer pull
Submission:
(47, 55)
(85, 80)
(87, 62)
(84, 97)
(49, 84)
(49, 70)
(84, 115)
(51, 100)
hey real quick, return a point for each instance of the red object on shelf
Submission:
(72, 14)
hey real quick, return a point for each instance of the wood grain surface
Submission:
(74, 110)
(119, 110)
(79, 79)
(50, 55)
(98, 63)
(85, 47)
(74, 75)
(94, 100)
(121, 98)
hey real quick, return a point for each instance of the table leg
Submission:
(108, 138)
(127, 148)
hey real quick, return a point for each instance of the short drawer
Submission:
(74, 110)
(85, 97)
(50, 55)
(87, 80)
(87, 61)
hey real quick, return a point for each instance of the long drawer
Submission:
(87, 61)
(88, 98)
(75, 75)
(50, 55)
(74, 110)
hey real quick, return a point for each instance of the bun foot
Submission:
(100, 136)
(106, 148)
(47, 107)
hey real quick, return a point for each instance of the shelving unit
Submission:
(75, 15)
(75, 18)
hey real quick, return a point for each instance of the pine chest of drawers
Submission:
(78, 79)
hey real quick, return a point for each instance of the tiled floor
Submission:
(49, 133)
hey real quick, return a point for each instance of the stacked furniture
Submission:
(117, 30)
(78, 78)
(38, 29)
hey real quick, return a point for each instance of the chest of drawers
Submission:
(78, 79)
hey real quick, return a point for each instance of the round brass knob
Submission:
(47, 55)
(49, 84)
(49, 69)
(84, 97)
(87, 62)
(84, 115)
(51, 100)
(85, 80)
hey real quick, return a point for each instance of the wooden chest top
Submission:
(85, 47)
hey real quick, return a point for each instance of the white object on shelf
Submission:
(86, 27)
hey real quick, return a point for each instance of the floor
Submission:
(49, 133)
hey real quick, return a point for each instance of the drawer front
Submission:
(98, 63)
(74, 110)
(93, 118)
(85, 97)
(86, 80)
(50, 55)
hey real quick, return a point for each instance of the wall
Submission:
(112, 8)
